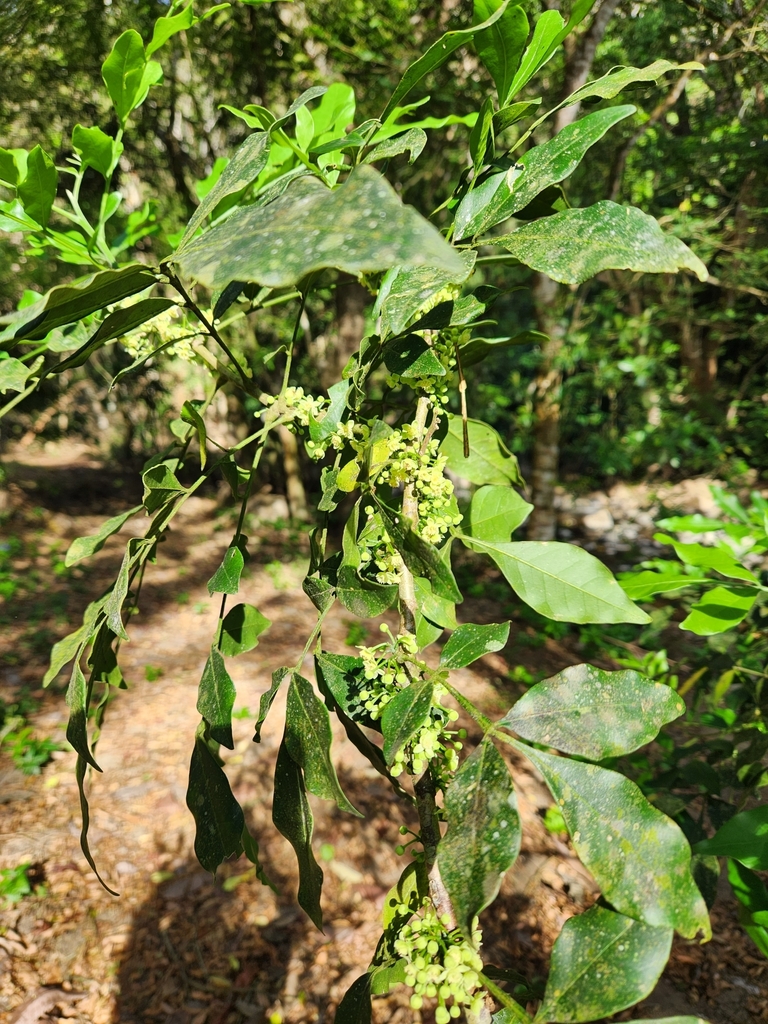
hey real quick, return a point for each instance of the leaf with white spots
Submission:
(602, 963)
(639, 857)
(483, 837)
(586, 711)
(470, 642)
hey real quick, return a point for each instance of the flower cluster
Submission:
(169, 326)
(441, 965)
(294, 405)
(433, 742)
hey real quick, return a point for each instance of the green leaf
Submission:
(409, 290)
(481, 141)
(84, 547)
(218, 816)
(306, 97)
(575, 245)
(638, 856)
(9, 171)
(241, 629)
(702, 557)
(593, 713)
(226, 579)
(292, 817)
(246, 165)
(168, 26)
(412, 143)
(251, 851)
(696, 523)
(81, 769)
(495, 513)
(362, 597)
(501, 46)
(478, 349)
(113, 606)
(77, 726)
(161, 486)
(267, 699)
(392, 127)
(437, 54)
(469, 642)
(422, 558)
(405, 715)
(543, 165)
(38, 189)
(641, 586)
(744, 837)
(612, 83)
(66, 649)
(123, 71)
(483, 837)
(561, 581)
(308, 741)
(189, 414)
(437, 609)
(750, 891)
(14, 374)
(719, 610)
(507, 116)
(546, 36)
(96, 149)
(355, 1007)
(340, 675)
(361, 226)
(411, 356)
(216, 698)
(671, 1020)
(489, 462)
(602, 962)
(71, 302)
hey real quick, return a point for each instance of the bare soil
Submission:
(177, 947)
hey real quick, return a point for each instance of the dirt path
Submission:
(176, 947)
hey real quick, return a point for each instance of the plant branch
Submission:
(518, 1013)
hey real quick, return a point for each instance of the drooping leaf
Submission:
(77, 727)
(719, 610)
(81, 769)
(226, 579)
(292, 817)
(216, 698)
(96, 149)
(422, 558)
(483, 837)
(113, 605)
(469, 642)
(575, 245)
(437, 54)
(218, 816)
(643, 585)
(405, 715)
(361, 226)
(66, 649)
(593, 713)
(361, 597)
(543, 165)
(412, 143)
(496, 512)
(411, 356)
(561, 581)
(702, 557)
(160, 486)
(489, 462)
(308, 740)
(247, 163)
(638, 856)
(123, 71)
(37, 190)
(477, 349)
(744, 837)
(84, 547)
(267, 699)
(241, 629)
(355, 1007)
(190, 415)
(602, 962)
(251, 851)
(501, 46)
(409, 290)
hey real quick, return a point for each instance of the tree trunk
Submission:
(294, 487)
(332, 354)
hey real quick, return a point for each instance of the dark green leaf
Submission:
(543, 165)
(38, 189)
(241, 629)
(435, 56)
(561, 581)
(319, 591)
(501, 46)
(226, 579)
(421, 558)
(469, 642)
(161, 486)
(292, 817)
(216, 698)
(77, 727)
(123, 71)
(9, 171)
(218, 816)
(496, 512)
(84, 547)
(507, 116)
(412, 142)
(575, 245)
(602, 962)
(437, 609)
(81, 769)
(405, 715)
(481, 141)
(189, 414)
(308, 740)
(593, 713)
(744, 837)
(752, 894)
(477, 349)
(489, 462)
(247, 163)
(251, 851)
(355, 1007)
(361, 226)
(637, 855)
(113, 606)
(719, 610)
(362, 597)
(483, 837)
(407, 291)
(411, 356)
(267, 699)
(96, 149)
(341, 676)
